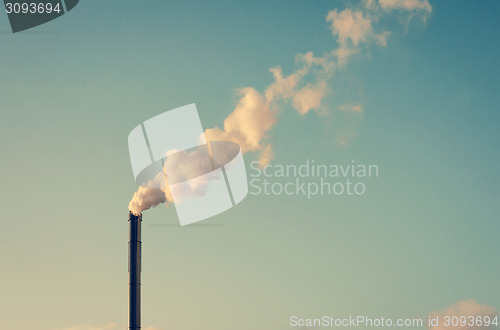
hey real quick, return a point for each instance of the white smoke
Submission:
(154, 193)
(256, 113)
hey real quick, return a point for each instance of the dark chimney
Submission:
(134, 271)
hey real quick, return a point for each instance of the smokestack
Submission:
(134, 271)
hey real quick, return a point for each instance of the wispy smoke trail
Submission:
(256, 113)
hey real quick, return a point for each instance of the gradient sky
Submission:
(424, 236)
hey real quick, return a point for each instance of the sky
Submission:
(417, 95)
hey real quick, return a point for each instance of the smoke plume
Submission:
(256, 113)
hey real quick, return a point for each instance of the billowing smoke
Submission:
(150, 195)
(256, 113)
(180, 166)
(248, 124)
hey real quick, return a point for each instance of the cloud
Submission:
(462, 308)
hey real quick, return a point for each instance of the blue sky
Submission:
(424, 236)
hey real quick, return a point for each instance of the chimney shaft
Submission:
(134, 270)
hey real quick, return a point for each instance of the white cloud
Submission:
(465, 308)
